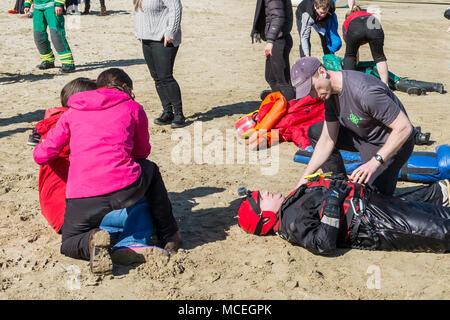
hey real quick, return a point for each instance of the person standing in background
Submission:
(50, 13)
(273, 23)
(158, 27)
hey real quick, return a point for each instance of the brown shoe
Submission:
(102, 11)
(99, 245)
(173, 243)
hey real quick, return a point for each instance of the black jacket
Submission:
(388, 223)
(273, 19)
(307, 6)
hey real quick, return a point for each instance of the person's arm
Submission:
(59, 5)
(26, 6)
(382, 68)
(319, 235)
(382, 108)
(141, 147)
(56, 140)
(323, 149)
(401, 130)
(351, 4)
(277, 17)
(174, 21)
(305, 33)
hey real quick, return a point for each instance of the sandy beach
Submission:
(221, 74)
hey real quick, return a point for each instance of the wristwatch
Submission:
(379, 158)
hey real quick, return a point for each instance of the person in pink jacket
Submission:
(107, 132)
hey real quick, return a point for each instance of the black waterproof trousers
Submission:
(391, 223)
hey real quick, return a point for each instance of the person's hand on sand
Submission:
(167, 41)
(58, 11)
(271, 201)
(268, 49)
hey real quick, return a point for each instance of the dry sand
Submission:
(221, 74)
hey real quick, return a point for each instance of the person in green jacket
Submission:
(50, 13)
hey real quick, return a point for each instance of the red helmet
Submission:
(252, 220)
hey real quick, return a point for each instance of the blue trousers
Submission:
(132, 225)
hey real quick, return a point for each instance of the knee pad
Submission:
(57, 40)
(41, 42)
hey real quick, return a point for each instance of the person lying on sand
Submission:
(330, 212)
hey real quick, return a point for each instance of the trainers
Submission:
(99, 244)
(136, 253)
(34, 138)
(45, 65)
(165, 118)
(67, 68)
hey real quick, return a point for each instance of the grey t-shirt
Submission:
(366, 106)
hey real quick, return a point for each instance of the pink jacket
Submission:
(107, 132)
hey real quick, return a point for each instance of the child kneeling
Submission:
(107, 132)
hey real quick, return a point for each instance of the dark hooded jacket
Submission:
(273, 19)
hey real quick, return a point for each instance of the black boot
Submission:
(165, 118)
(45, 65)
(428, 86)
(179, 120)
(405, 85)
(418, 87)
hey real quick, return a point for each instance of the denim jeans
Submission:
(132, 225)
(160, 61)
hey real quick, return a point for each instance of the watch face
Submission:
(379, 158)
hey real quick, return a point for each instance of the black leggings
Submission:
(84, 214)
(278, 68)
(360, 30)
(160, 61)
(384, 180)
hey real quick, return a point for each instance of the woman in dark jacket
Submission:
(273, 24)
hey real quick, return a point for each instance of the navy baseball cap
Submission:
(301, 73)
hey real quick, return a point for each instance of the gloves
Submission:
(338, 190)
(336, 195)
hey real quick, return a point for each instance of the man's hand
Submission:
(167, 41)
(58, 11)
(271, 201)
(301, 181)
(268, 49)
(363, 173)
(26, 10)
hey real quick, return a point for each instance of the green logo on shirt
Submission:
(353, 118)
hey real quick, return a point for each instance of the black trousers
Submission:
(19, 7)
(160, 61)
(84, 214)
(390, 223)
(363, 30)
(278, 69)
(384, 180)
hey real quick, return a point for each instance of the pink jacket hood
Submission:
(107, 132)
(100, 99)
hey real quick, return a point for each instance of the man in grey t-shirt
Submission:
(361, 114)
